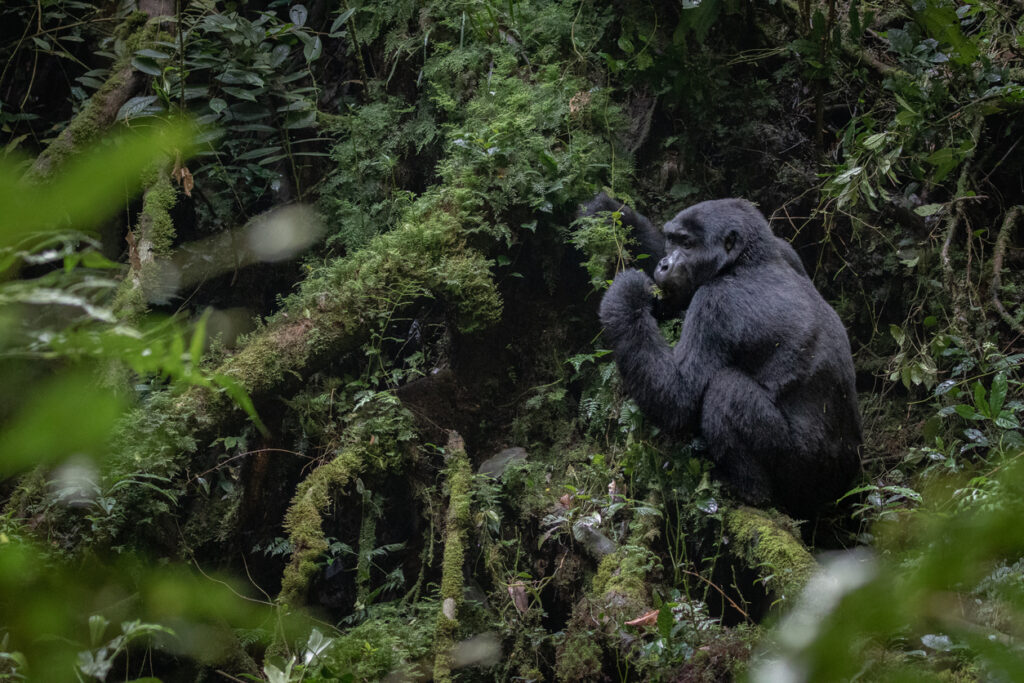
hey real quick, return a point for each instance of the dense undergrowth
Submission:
(376, 435)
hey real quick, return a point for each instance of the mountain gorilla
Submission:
(762, 370)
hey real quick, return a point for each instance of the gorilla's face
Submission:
(698, 246)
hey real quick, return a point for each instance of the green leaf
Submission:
(967, 412)
(242, 93)
(279, 54)
(240, 396)
(97, 625)
(897, 333)
(856, 29)
(195, 349)
(63, 416)
(875, 141)
(298, 14)
(88, 189)
(979, 400)
(135, 106)
(944, 160)
(341, 19)
(313, 49)
(257, 153)
(152, 54)
(928, 209)
(665, 620)
(296, 120)
(998, 394)
(147, 66)
(942, 23)
(1007, 420)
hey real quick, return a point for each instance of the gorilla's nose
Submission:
(663, 265)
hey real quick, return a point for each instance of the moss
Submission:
(619, 591)
(459, 476)
(271, 354)
(28, 493)
(622, 577)
(131, 24)
(579, 658)
(392, 643)
(769, 545)
(304, 523)
(160, 197)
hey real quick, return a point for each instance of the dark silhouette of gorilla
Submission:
(763, 368)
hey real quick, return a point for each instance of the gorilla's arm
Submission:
(668, 384)
(650, 238)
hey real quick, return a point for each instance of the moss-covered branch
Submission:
(459, 476)
(304, 523)
(768, 545)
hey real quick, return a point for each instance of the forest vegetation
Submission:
(303, 377)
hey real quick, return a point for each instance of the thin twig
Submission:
(722, 592)
(242, 455)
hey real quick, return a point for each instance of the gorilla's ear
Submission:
(730, 241)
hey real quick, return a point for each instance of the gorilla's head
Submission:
(706, 241)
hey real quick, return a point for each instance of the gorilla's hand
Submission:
(628, 298)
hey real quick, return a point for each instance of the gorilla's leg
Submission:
(745, 434)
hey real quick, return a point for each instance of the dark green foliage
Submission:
(447, 145)
(367, 191)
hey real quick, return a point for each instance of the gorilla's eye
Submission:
(683, 240)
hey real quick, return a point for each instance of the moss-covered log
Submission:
(620, 591)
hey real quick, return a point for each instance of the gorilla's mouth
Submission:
(675, 287)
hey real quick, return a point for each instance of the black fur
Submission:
(763, 368)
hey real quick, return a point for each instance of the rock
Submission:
(496, 465)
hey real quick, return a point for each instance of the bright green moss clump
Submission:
(772, 548)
